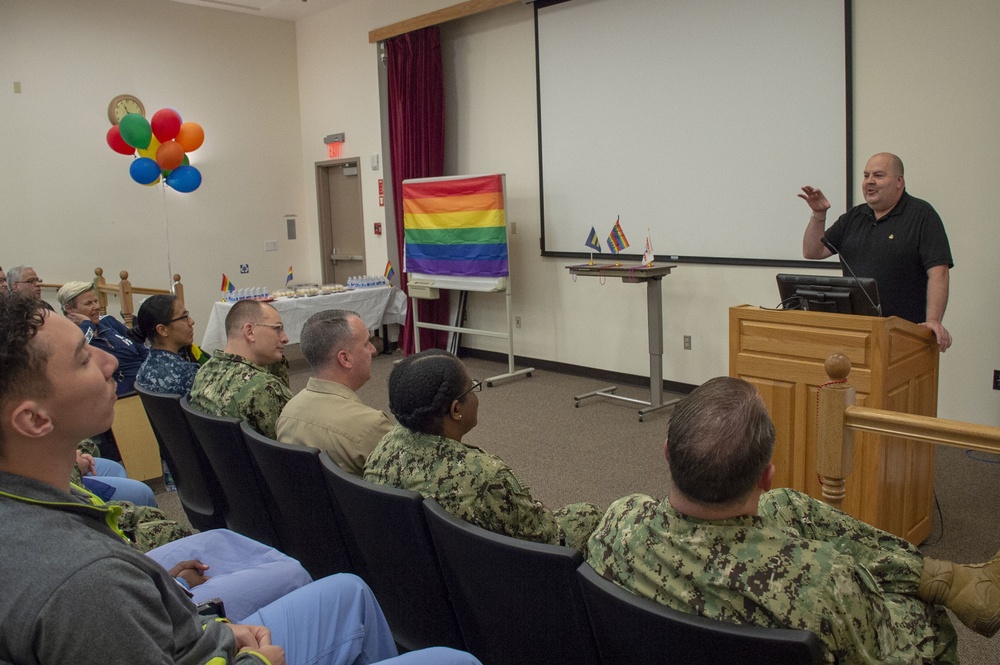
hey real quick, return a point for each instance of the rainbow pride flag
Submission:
(617, 240)
(227, 286)
(289, 277)
(455, 227)
(389, 272)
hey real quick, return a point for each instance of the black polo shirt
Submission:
(896, 250)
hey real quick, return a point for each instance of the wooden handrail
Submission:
(124, 291)
(839, 419)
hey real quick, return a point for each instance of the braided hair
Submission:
(422, 387)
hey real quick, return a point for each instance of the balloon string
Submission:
(166, 235)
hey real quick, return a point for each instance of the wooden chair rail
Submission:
(124, 291)
(839, 419)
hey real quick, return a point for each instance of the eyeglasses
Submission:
(33, 281)
(477, 387)
(183, 317)
(278, 327)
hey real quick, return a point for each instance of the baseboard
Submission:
(575, 370)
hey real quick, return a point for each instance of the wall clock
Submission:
(123, 104)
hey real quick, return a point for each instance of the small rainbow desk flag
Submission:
(455, 227)
(227, 286)
(617, 241)
(389, 272)
(289, 277)
(592, 241)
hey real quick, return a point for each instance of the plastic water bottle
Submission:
(168, 478)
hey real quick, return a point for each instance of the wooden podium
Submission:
(894, 366)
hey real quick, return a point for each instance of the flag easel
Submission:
(455, 237)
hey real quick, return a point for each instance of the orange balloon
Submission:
(170, 155)
(191, 136)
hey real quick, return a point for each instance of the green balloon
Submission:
(135, 131)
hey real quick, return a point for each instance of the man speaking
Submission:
(895, 238)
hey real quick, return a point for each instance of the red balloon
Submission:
(117, 143)
(165, 123)
(170, 155)
(191, 136)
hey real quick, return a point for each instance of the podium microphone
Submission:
(829, 246)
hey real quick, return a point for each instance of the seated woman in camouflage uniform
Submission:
(435, 402)
(163, 322)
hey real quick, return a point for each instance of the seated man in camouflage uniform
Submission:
(435, 402)
(725, 547)
(236, 382)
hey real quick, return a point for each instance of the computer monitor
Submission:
(846, 295)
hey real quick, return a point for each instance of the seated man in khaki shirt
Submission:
(328, 414)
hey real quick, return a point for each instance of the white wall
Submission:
(268, 91)
(924, 87)
(67, 203)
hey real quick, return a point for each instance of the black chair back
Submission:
(307, 526)
(517, 601)
(631, 629)
(250, 502)
(197, 487)
(392, 551)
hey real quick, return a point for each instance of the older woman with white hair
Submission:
(80, 304)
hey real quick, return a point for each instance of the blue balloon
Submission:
(184, 178)
(144, 170)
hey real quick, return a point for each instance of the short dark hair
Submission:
(243, 312)
(719, 441)
(22, 364)
(154, 311)
(423, 386)
(325, 333)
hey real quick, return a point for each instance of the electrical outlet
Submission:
(687, 342)
(244, 268)
(517, 321)
(996, 379)
(270, 245)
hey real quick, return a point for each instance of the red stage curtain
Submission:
(416, 146)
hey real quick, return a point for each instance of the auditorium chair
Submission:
(197, 487)
(251, 507)
(639, 631)
(392, 551)
(307, 526)
(516, 601)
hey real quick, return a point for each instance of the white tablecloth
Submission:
(375, 305)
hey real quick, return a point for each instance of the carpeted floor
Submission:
(600, 452)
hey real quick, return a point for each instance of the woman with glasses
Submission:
(173, 359)
(80, 304)
(436, 404)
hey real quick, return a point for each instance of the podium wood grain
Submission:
(894, 366)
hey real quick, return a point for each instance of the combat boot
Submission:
(970, 590)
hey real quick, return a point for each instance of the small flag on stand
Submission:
(289, 277)
(389, 272)
(592, 241)
(616, 240)
(227, 286)
(647, 255)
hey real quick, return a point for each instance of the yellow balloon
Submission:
(150, 151)
(155, 182)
